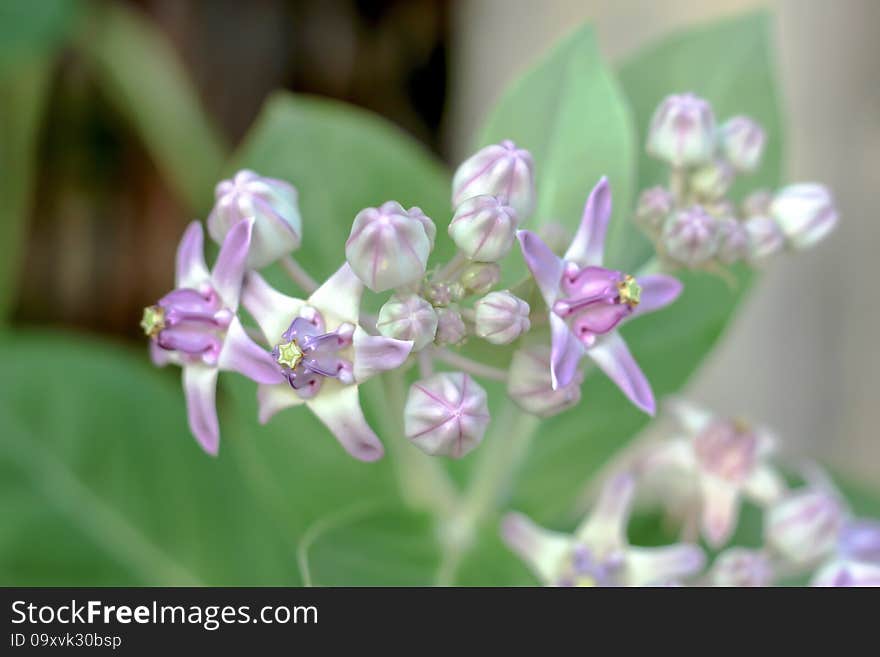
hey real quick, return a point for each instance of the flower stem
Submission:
(298, 275)
(469, 365)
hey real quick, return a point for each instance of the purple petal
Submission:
(160, 357)
(271, 309)
(271, 399)
(545, 266)
(658, 291)
(191, 270)
(374, 354)
(229, 269)
(241, 354)
(565, 353)
(612, 355)
(340, 296)
(662, 565)
(200, 388)
(589, 241)
(339, 408)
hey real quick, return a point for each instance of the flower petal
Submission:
(588, 244)
(200, 389)
(662, 565)
(605, 528)
(339, 408)
(658, 291)
(271, 309)
(340, 296)
(243, 355)
(274, 398)
(840, 573)
(764, 485)
(191, 270)
(565, 353)
(720, 509)
(545, 266)
(692, 417)
(376, 353)
(543, 551)
(614, 358)
(161, 357)
(228, 271)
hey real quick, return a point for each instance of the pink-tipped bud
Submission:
(529, 383)
(480, 277)
(408, 317)
(805, 212)
(742, 143)
(765, 237)
(805, 526)
(501, 317)
(446, 414)
(272, 203)
(741, 567)
(655, 204)
(388, 246)
(733, 241)
(501, 170)
(450, 327)
(682, 131)
(483, 228)
(690, 236)
(712, 181)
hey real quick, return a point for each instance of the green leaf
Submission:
(29, 28)
(139, 70)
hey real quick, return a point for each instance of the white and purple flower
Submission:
(587, 302)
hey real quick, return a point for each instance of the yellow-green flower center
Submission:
(289, 354)
(630, 291)
(153, 320)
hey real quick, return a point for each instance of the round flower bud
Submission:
(758, 203)
(480, 277)
(741, 567)
(712, 181)
(450, 327)
(501, 170)
(272, 203)
(733, 241)
(529, 384)
(841, 572)
(416, 213)
(682, 131)
(501, 317)
(655, 204)
(690, 236)
(446, 414)
(388, 246)
(408, 317)
(805, 526)
(742, 143)
(805, 212)
(765, 237)
(483, 227)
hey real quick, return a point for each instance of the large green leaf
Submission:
(29, 28)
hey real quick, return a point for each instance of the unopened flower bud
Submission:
(742, 567)
(483, 227)
(845, 573)
(690, 236)
(388, 247)
(501, 170)
(805, 526)
(860, 541)
(742, 142)
(416, 213)
(446, 414)
(757, 203)
(480, 277)
(501, 317)
(655, 204)
(805, 212)
(765, 237)
(529, 383)
(443, 294)
(408, 317)
(712, 181)
(682, 131)
(450, 327)
(733, 241)
(272, 203)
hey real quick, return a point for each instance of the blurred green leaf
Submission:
(139, 70)
(31, 28)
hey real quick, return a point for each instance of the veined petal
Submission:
(720, 509)
(662, 565)
(692, 418)
(200, 390)
(339, 408)
(765, 485)
(545, 266)
(614, 358)
(272, 310)
(658, 291)
(191, 270)
(588, 244)
(243, 355)
(604, 529)
(274, 398)
(228, 273)
(340, 296)
(565, 353)
(543, 551)
(376, 353)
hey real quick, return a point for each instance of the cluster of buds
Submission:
(693, 222)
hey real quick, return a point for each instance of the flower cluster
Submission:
(693, 222)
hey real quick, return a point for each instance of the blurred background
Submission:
(104, 222)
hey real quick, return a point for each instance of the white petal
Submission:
(720, 509)
(274, 398)
(605, 528)
(200, 389)
(339, 298)
(544, 551)
(765, 485)
(339, 408)
(376, 353)
(271, 309)
(662, 565)
(693, 418)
